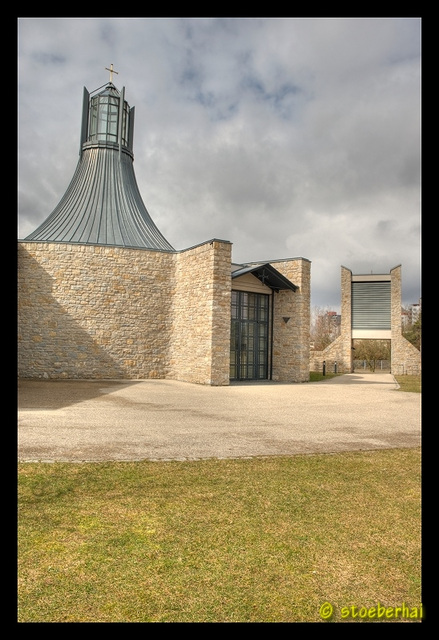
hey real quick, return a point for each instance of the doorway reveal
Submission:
(249, 336)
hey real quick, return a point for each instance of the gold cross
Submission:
(111, 70)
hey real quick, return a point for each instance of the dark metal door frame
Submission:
(249, 353)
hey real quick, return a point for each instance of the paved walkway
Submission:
(91, 420)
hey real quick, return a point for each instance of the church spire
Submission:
(102, 204)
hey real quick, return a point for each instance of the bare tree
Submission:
(325, 327)
(372, 351)
(413, 332)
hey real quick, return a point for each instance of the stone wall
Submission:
(333, 356)
(91, 311)
(291, 337)
(346, 355)
(88, 311)
(405, 358)
(200, 343)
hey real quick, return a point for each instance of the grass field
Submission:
(249, 540)
(409, 383)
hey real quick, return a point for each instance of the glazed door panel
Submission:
(249, 336)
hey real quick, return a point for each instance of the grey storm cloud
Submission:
(287, 136)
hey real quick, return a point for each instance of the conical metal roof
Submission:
(102, 204)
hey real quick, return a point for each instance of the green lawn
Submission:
(250, 540)
(409, 383)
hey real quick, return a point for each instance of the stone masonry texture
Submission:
(90, 311)
(405, 358)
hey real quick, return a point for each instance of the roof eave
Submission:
(268, 275)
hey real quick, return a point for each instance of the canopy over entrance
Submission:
(267, 274)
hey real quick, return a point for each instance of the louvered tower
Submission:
(102, 204)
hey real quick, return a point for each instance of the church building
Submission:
(102, 294)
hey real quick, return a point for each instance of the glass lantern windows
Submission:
(104, 119)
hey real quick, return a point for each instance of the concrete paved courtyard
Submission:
(99, 420)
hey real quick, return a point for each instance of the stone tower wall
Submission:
(405, 358)
(338, 355)
(200, 343)
(291, 338)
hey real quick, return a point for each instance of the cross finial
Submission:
(111, 70)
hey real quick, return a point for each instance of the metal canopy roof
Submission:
(268, 275)
(103, 204)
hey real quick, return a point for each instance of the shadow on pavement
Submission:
(63, 393)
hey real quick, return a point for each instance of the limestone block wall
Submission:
(89, 311)
(291, 338)
(221, 313)
(405, 358)
(200, 342)
(333, 356)
(340, 350)
(347, 355)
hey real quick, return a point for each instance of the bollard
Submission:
(324, 367)
(335, 367)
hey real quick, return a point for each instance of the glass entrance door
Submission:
(249, 336)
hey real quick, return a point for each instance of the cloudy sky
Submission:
(286, 136)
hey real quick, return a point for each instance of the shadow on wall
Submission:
(52, 344)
